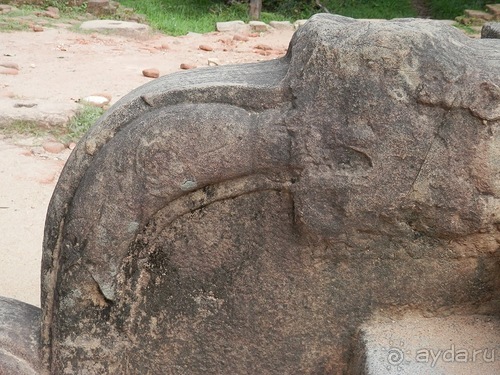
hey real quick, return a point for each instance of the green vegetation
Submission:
(82, 121)
(21, 18)
(180, 17)
(29, 128)
(77, 126)
(350, 8)
(177, 17)
(449, 9)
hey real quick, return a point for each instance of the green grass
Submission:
(28, 128)
(82, 121)
(76, 128)
(175, 17)
(387, 9)
(178, 18)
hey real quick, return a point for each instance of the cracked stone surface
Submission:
(248, 219)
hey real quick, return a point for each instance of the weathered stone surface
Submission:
(281, 25)
(231, 26)
(129, 28)
(416, 345)
(42, 112)
(19, 338)
(258, 26)
(98, 100)
(491, 30)
(101, 7)
(299, 23)
(494, 9)
(471, 13)
(248, 219)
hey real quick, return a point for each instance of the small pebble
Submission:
(187, 66)
(151, 73)
(205, 47)
(53, 147)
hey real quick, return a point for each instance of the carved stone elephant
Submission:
(248, 219)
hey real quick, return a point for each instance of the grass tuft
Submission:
(82, 122)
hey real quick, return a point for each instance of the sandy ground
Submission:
(59, 66)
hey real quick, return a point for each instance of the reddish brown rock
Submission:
(187, 66)
(162, 47)
(263, 53)
(53, 147)
(37, 28)
(263, 47)
(9, 71)
(241, 38)
(151, 73)
(52, 12)
(205, 47)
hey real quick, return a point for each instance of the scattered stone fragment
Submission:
(114, 25)
(187, 66)
(298, 24)
(263, 47)
(241, 38)
(53, 147)
(9, 65)
(281, 25)
(25, 105)
(205, 47)
(213, 61)
(4, 8)
(106, 95)
(72, 145)
(230, 26)
(52, 12)
(9, 71)
(163, 47)
(37, 28)
(97, 100)
(263, 53)
(101, 7)
(494, 9)
(151, 73)
(478, 14)
(258, 26)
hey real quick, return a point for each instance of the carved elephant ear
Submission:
(190, 147)
(246, 219)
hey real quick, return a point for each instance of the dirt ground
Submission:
(57, 67)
